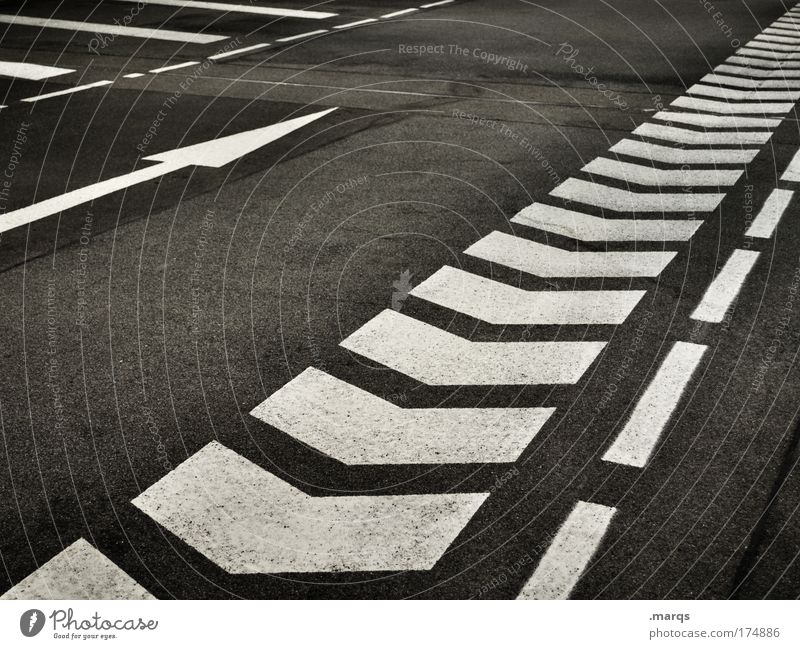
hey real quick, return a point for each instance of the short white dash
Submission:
(431, 5)
(68, 91)
(133, 75)
(296, 37)
(771, 212)
(726, 286)
(402, 12)
(241, 50)
(177, 66)
(356, 23)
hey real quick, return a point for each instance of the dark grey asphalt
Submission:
(279, 286)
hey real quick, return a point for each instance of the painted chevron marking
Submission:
(763, 226)
(638, 439)
(758, 73)
(623, 200)
(79, 571)
(358, 428)
(585, 227)
(731, 93)
(771, 46)
(499, 303)
(647, 175)
(792, 173)
(435, 357)
(547, 261)
(660, 153)
(717, 121)
(768, 54)
(723, 290)
(569, 554)
(686, 136)
(248, 521)
(770, 64)
(771, 38)
(727, 108)
(751, 83)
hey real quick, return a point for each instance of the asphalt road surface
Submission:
(464, 299)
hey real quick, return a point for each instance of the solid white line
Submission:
(661, 153)
(728, 108)
(546, 261)
(585, 227)
(30, 71)
(686, 136)
(286, 39)
(79, 571)
(356, 23)
(770, 214)
(792, 173)
(68, 91)
(436, 4)
(725, 80)
(570, 552)
(177, 66)
(725, 287)
(238, 8)
(648, 175)
(729, 93)
(402, 12)
(116, 30)
(638, 439)
(623, 200)
(499, 303)
(358, 428)
(248, 521)
(437, 357)
(241, 50)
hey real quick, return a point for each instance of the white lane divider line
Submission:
(673, 155)
(401, 12)
(547, 261)
(717, 121)
(733, 94)
(176, 66)
(79, 571)
(624, 200)
(726, 80)
(708, 138)
(725, 286)
(68, 91)
(585, 227)
(568, 556)
(654, 177)
(770, 214)
(241, 50)
(288, 39)
(115, 30)
(727, 108)
(356, 23)
(792, 173)
(436, 357)
(30, 71)
(359, 428)
(498, 303)
(248, 521)
(238, 8)
(638, 439)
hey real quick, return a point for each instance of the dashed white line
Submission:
(287, 39)
(569, 554)
(68, 91)
(238, 8)
(770, 214)
(431, 5)
(241, 50)
(356, 23)
(725, 286)
(133, 75)
(176, 66)
(402, 12)
(638, 439)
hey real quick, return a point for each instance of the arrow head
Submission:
(219, 152)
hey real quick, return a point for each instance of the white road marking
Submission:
(435, 357)
(502, 304)
(238, 8)
(133, 75)
(431, 5)
(648, 175)
(79, 571)
(402, 12)
(770, 39)
(727, 108)
(358, 428)
(547, 261)
(356, 23)
(686, 136)
(241, 50)
(784, 29)
(730, 93)
(623, 200)
(726, 80)
(116, 30)
(287, 39)
(792, 173)
(758, 73)
(717, 121)
(585, 227)
(638, 439)
(570, 552)
(660, 153)
(30, 71)
(176, 66)
(68, 91)
(771, 47)
(725, 287)
(770, 214)
(764, 63)
(214, 153)
(248, 521)
(768, 54)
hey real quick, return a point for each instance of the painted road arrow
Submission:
(247, 520)
(214, 153)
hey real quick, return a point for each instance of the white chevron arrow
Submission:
(727, 108)
(673, 155)
(734, 94)
(757, 73)
(717, 121)
(686, 136)
(214, 153)
(358, 428)
(654, 177)
(248, 521)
